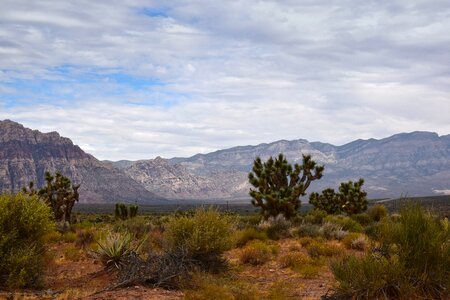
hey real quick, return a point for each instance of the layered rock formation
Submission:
(25, 155)
(410, 164)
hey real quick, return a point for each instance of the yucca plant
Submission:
(115, 248)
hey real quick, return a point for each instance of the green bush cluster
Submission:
(123, 212)
(205, 235)
(24, 223)
(413, 260)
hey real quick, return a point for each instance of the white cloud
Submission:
(231, 73)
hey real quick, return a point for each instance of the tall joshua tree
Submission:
(278, 186)
(60, 195)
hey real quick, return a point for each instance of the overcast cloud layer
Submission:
(137, 79)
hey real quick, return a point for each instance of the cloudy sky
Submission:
(136, 79)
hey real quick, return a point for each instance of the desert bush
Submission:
(305, 241)
(257, 253)
(294, 260)
(24, 223)
(413, 260)
(331, 231)
(315, 216)
(377, 212)
(317, 248)
(363, 218)
(205, 235)
(115, 249)
(347, 223)
(72, 253)
(307, 230)
(249, 234)
(348, 240)
(69, 237)
(276, 227)
(369, 277)
(52, 237)
(85, 237)
(138, 227)
(205, 287)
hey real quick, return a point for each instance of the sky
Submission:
(139, 79)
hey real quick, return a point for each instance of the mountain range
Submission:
(413, 164)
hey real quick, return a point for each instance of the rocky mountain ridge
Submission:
(412, 164)
(25, 155)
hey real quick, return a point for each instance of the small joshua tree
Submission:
(326, 201)
(279, 186)
(124, 212)
(350, 199)
(353, 199)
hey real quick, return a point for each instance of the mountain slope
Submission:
(413, 164)
(25, 155)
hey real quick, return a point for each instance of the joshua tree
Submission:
(279, 186)
(350, 199)
(60, 195)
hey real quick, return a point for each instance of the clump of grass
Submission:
(69, 237)
(347, 223)
(317, 249)
(349, 239)
(307, 230)
(72, 253)
(52, 237)
(257, 253)
(331, 231)
(205, 286)
(305, 241)
(294, 260)
(369, 277)
(276, 228)
(377, 212)
(85, 237)
(315, 216)
(363, 218)
(413, 262)
(249, 234)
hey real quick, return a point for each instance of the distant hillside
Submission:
(412, 164)
(25, 155)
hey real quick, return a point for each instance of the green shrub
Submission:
(69, 237)
(115, 248)
(315, 216)
(363, 218)
(369, 277)
(412, 262)
(316, 249)
(85, 237)
(377, 212)
(276, 227)
(423, 246)
(205, 235)
(305, 230)
(138, 227)
(347, 223)
(257, 253)
(24, 223)
(249, 234)
(331, 231)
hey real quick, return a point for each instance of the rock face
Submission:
(412, 164)
(25, 155)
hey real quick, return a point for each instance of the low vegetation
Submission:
(338, 249)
